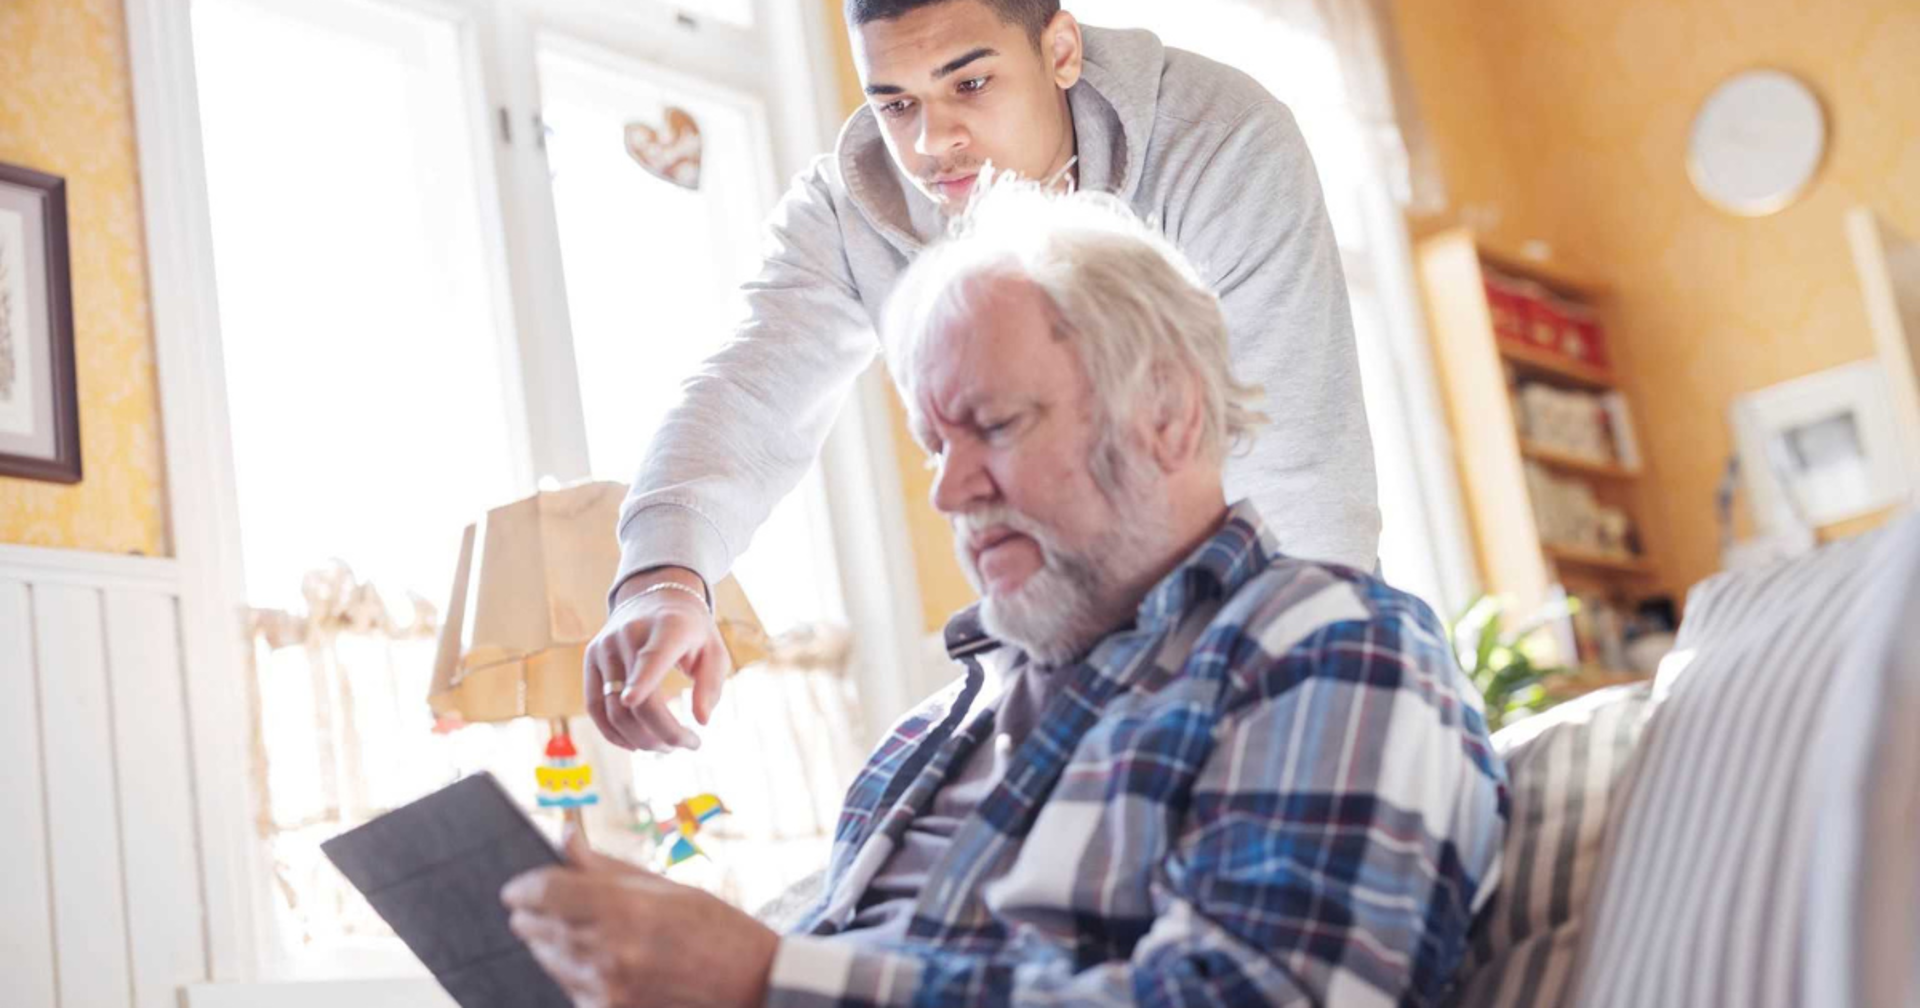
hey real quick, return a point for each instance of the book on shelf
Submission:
(1626, 442)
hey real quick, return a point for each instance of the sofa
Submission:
(1742, 831)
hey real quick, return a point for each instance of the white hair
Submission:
(1129, 301)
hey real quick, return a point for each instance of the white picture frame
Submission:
(1820, 450)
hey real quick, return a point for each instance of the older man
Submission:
(1181, 767)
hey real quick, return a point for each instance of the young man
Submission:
(952, 85)
(1183, 768)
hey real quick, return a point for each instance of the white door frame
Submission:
(200, 483)
(863, 486)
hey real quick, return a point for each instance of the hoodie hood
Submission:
(1113, 106)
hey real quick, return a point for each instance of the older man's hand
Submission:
(617, 936)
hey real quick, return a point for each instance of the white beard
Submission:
(1076, 597)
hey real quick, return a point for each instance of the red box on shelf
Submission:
(1507, 301)
(1580, 337)
(1565, 329)
(1546, 324)
(1592, 337)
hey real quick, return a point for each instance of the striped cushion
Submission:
(1864, 898)
(1564, 768)
(1702, 896)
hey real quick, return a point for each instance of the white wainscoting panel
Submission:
(156, 796)
(26, 902)
(83, 820)
(101, 901)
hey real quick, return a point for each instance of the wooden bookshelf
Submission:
(1550, 366)
(1477, 373)
(1564, 278)
(1593, 559)
(1564, 462)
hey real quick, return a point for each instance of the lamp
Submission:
(529, 593)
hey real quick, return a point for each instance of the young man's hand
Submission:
(648, 634)
(614, 935)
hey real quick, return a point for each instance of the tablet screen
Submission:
(434, 869)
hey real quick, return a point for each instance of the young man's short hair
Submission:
(1033, 15)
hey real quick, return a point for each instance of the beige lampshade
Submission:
(530, 592)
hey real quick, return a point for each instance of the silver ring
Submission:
(611, 688)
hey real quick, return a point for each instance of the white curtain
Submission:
(1336, 65)
(342, 733)
(1379, 92)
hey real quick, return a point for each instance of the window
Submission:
(363, 351)
(427, 306)
(652, 269)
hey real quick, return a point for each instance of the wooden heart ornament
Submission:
(674, 156)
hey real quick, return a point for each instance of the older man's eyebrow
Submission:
(944, 71)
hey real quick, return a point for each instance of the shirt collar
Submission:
(1238, 550)
(966, 635)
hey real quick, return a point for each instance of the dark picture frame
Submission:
(47, 342)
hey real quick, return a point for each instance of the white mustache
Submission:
(971, 523)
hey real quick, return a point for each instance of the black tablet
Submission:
(434, 870)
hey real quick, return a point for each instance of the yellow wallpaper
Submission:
(943, 589)
(65, 108)
(1567, 120)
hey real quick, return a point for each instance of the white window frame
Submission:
(786, 61)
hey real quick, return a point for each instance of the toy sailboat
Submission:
(566, 781)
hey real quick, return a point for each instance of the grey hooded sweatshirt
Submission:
(1196, 145)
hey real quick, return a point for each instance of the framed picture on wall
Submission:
(39, 396)
(1822, 449)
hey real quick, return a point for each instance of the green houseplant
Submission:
(1507, 666)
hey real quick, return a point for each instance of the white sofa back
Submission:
(1758, 846)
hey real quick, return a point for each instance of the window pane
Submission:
(366, 389)
(356, 303)
(652, 271)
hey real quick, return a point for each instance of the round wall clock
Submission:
(1757, 143)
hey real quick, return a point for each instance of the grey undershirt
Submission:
(887, 905)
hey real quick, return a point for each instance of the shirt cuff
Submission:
(813, 972)
(670, 535)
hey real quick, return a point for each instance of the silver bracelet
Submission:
(676, 586)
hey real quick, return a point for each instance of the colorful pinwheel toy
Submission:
(688, 817)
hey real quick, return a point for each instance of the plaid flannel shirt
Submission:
(1275, 787)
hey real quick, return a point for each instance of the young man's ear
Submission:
(1178, 416)
(1060, 42)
